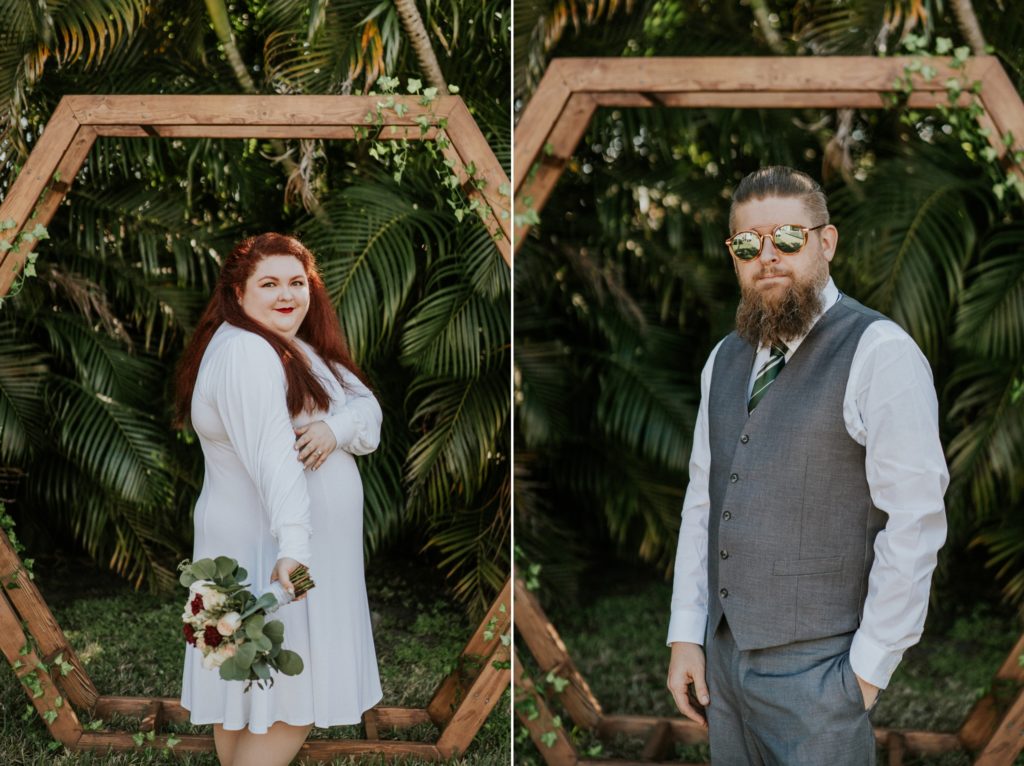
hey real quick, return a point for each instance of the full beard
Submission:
(760, 319)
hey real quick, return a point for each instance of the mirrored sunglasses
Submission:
(788, 238)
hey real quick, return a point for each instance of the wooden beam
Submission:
(770, 100)
(921, 742)
(983, 720)
(1007, 740)
(538, 118)
(618, 762)
(558, 750)
(494, 624)
(477, 704)
(51, 705)
(30, 606)
(642, 726)
(753, 73)
(496, 193)
(249, 110)
(45, 160)
(559, 146)
(323, 750)
(660, 744)
(327, 132)
(547, 647)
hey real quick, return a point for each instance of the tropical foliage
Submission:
(88, 348)
(625, 286)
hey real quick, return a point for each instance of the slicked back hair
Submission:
(781, 181)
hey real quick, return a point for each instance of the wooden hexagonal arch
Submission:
(30, 638)
(573, 88)
(546, 137)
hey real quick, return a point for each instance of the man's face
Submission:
(781, 292)
(772, 274)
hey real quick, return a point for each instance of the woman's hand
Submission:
(315, 442)
(282, 571)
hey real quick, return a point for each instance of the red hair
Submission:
(320, 327)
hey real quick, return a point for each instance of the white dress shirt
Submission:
(891, 409)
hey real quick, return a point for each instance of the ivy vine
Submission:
(393, 153)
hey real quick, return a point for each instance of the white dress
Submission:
(257, 504)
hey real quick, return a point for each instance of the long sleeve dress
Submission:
(258, 504)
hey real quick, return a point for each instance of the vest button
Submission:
(726, 515)
(744, 439)
(724, 593)
(734, 478)
(724, 553)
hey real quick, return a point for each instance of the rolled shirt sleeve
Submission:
(891, 408)
(249, 392)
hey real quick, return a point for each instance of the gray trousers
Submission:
(792, 705)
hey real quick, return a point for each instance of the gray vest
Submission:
(792, 526)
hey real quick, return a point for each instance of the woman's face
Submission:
(277, 294)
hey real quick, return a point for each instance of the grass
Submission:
(617, 642)
(130, 644)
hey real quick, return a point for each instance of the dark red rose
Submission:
(197, 604)
(212, 637)
(190, 634)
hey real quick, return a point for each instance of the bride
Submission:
(280, 408)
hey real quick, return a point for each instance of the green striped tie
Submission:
(769, 372)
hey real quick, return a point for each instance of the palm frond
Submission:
(125, 449)
(92, 29)
(369, 258)
(23, 373)
(454, 331)
(474, 547)
(911, 237)
(991, 316)
(460, 423)
(987, 450)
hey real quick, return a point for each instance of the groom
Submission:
(814, 512)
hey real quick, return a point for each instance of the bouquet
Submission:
(228, 624)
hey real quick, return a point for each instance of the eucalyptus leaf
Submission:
(262, 670)
(289, 663)
(225, 566)
(204, 569)
(245, 655)
(274, 630)
(231, 670)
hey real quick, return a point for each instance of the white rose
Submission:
(229, 623)
(217, 657)
(212, 599)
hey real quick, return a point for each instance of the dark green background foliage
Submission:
(625, 286)
(88, 348)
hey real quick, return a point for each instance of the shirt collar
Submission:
(829, 295)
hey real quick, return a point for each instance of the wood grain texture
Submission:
(30, 606)
(478, 649)
(548, 649)
(752, 73)
(560, 752)
(472, 148)
(23, 659)
(249, 110)
(327, 132)
(538, 118)
(1007, 740)
(642, 726)
(476, 705)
